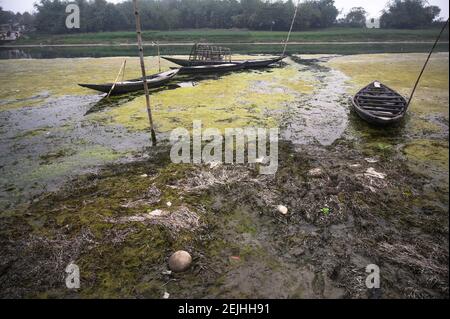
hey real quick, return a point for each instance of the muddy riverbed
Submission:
(81, 183)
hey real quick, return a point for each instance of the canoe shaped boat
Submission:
(257, 63)
(379, 104)
(250, 64)
(153, 81)
(219, 68)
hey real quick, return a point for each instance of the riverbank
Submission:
(226, 217)
(237, 36)
(52, 51)
(183, 44)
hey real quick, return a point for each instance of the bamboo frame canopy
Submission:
(204, 52)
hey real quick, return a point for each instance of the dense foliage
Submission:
(8, 17)
(100, 15)
(356, 18)
(409, 14)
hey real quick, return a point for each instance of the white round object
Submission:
(180, 261)
(283, 209)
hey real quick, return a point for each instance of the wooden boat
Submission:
(153, 81)
(250, 64)
(219, 68)
(257, 63)
(379, 104)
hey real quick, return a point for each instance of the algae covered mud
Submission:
(80, 183)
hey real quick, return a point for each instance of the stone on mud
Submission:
(180, 261)
(282, 209)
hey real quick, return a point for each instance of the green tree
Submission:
(9, 17)
(316, 14)
(100, 15)
(409, 14)
(356, 17)
(6, 16)
(51, 16)
(27, 20)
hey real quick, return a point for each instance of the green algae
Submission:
(400, 71)
(424, 126)
(429, 151)
(51, 156)
(64, 162)
(32, 133)
(131, 256)
(123, 272)
(234, 100)
(126, 259)
(129, 259)
(24, 82)
(238, 237)
(428, 113)
(46, 78)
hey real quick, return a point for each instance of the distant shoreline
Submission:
(148, 44)
(347, 36)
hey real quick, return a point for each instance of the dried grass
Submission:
(175, 221)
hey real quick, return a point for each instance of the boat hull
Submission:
(248, 63)
(251, 64)
(379, 105)
(211, 69)
(374, 119)
(135, 85)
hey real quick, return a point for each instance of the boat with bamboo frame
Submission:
(208, 55)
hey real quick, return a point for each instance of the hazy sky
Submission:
(371, 6)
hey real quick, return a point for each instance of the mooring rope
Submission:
(292, 26)
(122, 69)
(426, 63)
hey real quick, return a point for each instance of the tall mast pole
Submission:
(144, 76)
(292, 26)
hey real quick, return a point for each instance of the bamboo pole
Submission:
(159, 56)
(144, 76)
(122, 68)
(290, 29)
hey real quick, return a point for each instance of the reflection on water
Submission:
(14, 54)
(110, 51)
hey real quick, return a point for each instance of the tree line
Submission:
(8, 17)
(100, 15)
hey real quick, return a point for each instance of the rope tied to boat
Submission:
(121, 71)
(426, 63)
